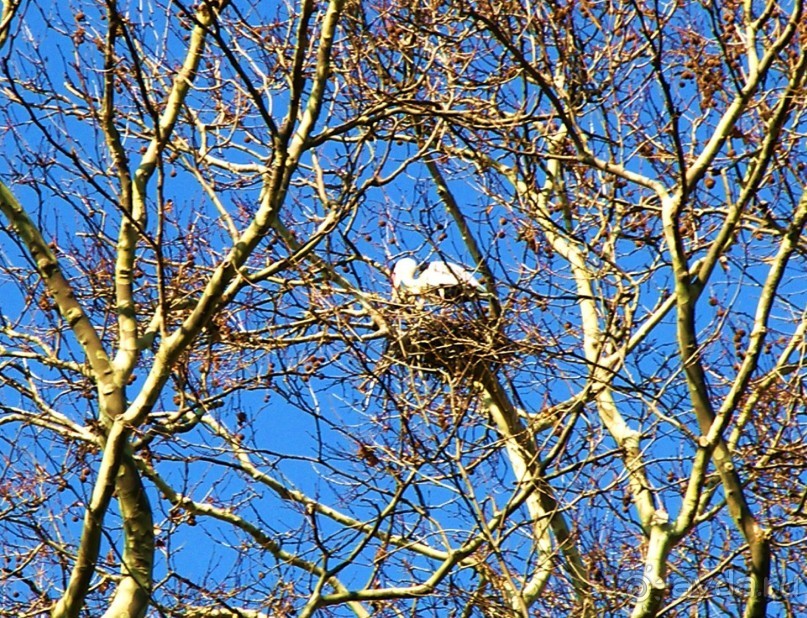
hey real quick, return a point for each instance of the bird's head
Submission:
(403, 272)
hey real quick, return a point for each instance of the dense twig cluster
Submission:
(455, 339)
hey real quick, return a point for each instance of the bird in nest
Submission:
(446, 280)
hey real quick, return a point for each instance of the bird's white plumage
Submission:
(442, 274)
(403, 274)
(438, 276)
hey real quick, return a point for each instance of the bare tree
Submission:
(212, 403)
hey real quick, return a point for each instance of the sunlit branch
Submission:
(456, 213)
(696, 381)
(760, 328)
(781, 367)
(754, 176)
(133, 591)
(310, 504)
(264, 540)
(729, 118)
(62, 292)
(129, 228)
(10, 8)
(228, 270)
(544, 508)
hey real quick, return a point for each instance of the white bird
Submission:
(444, 278)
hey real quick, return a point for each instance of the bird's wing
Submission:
(445, 273)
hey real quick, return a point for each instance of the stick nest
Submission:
(455, 339)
